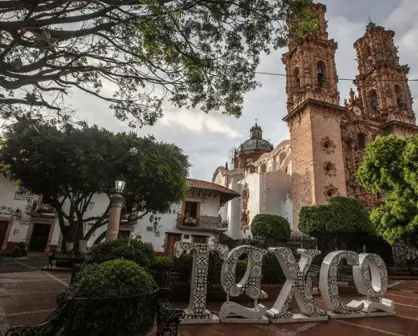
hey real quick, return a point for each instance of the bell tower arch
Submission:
(314, 117)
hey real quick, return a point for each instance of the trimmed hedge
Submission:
(272, 229)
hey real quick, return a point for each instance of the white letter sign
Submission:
(196, 311)
(371, 279)
(250, 284)
(329, 287)
(295, 285)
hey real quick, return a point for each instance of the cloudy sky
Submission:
(208, 139)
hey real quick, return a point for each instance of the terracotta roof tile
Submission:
(192, 183)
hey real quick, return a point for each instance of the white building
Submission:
(262, 175)
(24, 218)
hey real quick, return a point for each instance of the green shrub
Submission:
(161, 263)
(113, 278)
(108, 299)
(341, 224)
(271, 229)
(123, 248)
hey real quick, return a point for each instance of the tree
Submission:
(271, 229)
(192, 53)
(390, 167)
(68, 166)
(340, 224)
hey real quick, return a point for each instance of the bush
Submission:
(337, 225)
(271, 229)
(113, 278)
(115, 298)
(161, 263)
(123, 248)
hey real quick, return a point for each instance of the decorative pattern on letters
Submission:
(328, 281)
(296, 274)
(370, 275)
(371, 279)
(198, 283)
(250, 283)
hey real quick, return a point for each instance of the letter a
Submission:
(295, 285)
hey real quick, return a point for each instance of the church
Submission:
(327, 139)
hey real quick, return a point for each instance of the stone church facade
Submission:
(327, 140)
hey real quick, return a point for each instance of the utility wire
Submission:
(339, 79)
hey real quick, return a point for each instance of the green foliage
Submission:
(113, 278)
(62, 165)
(337, 224)
(272, 229)
(161, 263)
(341, 215)
(134, 250)
(390, 167)
(198, 53)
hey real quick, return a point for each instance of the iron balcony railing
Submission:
(202, 223)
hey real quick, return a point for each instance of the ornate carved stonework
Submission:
(330, 191)
(328, 145)
(245, 212)
(330, 169)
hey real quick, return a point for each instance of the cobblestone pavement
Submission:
(29, 297)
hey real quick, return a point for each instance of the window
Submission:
(321, 74)
(263, 168)
(400, 102)
(361, 141)
(374, 102)
(190, 209)
(296, 77)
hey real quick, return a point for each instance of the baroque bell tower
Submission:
(382, 83)
(314, 117)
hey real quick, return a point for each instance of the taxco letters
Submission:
(369, 273)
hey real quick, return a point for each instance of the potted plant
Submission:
(117, 297)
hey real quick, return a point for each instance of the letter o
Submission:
(371, 276)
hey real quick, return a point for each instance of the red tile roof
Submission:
(227, 193)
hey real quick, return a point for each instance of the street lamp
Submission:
(116, 201)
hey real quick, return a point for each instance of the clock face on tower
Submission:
(356, 111)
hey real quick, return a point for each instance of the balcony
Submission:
(42, 210)
(202, 223)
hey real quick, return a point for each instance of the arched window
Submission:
(296, 76)
(263, 168)
(373, 100)
(400, 101)
(321, 74)
(361, 141)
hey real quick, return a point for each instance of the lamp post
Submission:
(116, 201)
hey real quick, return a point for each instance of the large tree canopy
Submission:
(390, 166)
(68, 166)
(137, 53)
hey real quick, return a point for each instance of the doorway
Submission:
(171, 239)
(39, 238)
(3, 231)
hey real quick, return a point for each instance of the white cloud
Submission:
(207, 138)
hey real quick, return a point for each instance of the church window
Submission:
(321, 74)
(400, 102)
(296, 77)
(361, 141)
(374, 102)
(263, 168)
(331, 191)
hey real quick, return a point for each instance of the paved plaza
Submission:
(29, 297)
